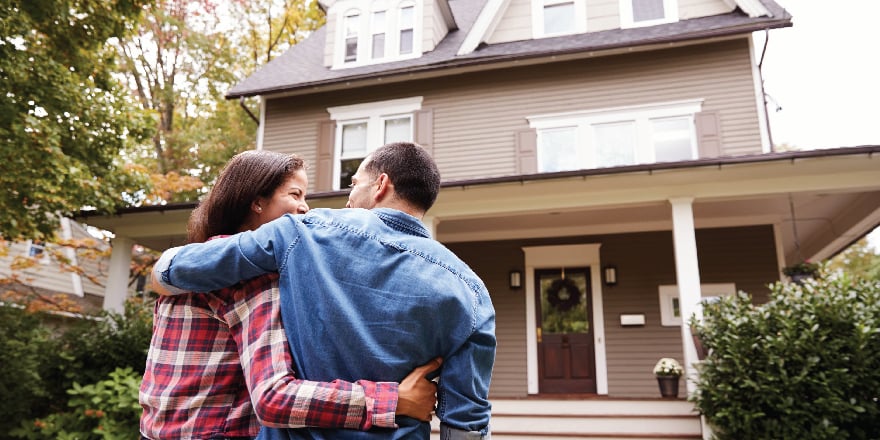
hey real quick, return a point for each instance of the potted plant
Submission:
(801, 271)
(667, 371)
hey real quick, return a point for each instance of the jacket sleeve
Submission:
(463, 391)
(280, 399)
(204, 267)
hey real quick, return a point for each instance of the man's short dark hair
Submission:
(411, 169)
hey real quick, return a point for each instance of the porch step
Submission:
(593, 419)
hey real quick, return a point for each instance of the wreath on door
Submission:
(563, 294)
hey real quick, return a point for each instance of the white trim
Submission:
(759, 99)
(580, 18)
(608, 114)
(687, 274)
(754, 8)
(670, 8)
(539, 257)
(261, 128)
(75, 278)
(780, 248)
(483, 26)
(365, 110)
(669, 293)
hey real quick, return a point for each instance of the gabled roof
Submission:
(301, 67)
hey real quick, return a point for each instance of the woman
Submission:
(213, 354)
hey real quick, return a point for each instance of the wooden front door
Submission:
(566, 358)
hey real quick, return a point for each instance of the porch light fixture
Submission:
(515, 279)
(610, 273)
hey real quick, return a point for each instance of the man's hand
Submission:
(417, 396)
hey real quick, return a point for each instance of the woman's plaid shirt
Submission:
(209, 349)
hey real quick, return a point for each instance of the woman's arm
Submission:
(282, 401)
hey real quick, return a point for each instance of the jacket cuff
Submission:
(161, 272)
(449, 433)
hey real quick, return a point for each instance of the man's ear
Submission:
(384, 187)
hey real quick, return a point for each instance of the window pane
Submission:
(557, 150)
(378, 46)
(559, 18)
(615, 143)
(672, 139)
(351, 38)
(347, 169)
(378, 34)
(406, 30)
(354, 140)
(398, 130)
(644, 10)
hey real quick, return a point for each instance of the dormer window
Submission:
(376, 31)
(635, 13)
(552, 18)
(406, 29)
(352, 26)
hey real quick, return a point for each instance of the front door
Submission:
(566, 358)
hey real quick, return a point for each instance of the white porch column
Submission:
(687, 272)
(117, 280)
(430, 223)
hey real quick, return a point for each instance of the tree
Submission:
(63, 118)
(179, 63)
(860, 260)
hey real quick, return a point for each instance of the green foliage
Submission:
(24, 345)
(63, 117)
(43, 372)
(108, 409)
(804, 365)
(859, 260)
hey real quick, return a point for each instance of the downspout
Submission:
(763, 92)
(257, 120)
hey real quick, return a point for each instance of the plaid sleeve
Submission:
(280, 399)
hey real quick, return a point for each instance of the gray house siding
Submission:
(744, 256)
(477, 116)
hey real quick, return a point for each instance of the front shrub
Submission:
(805, 365)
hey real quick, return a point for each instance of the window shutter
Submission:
(526, 151)
(326, 144)
(423, 130)
(708, 134)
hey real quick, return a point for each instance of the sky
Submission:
(824, 73)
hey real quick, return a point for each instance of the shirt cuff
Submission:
(384, 405)
(161, 271)
(449, 433)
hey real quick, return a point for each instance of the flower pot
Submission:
(668, 386)
(800, 278)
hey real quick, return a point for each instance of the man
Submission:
(366, 293)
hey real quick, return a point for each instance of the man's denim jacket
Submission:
(364, 295)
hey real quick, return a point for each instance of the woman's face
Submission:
(289, 198)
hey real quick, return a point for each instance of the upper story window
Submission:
(361, 128)
(615, 137)
(634, 13)
(558, 17)
(376, 31)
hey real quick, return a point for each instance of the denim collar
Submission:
(401, 221)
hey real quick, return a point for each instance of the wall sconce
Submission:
(610, 273)
(515, 279)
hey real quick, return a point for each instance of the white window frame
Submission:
(642, 115)
(392, 8)
(375, 114)
(669, 293)
(378, 30)
(580, 17)
(38, 252)
(343, 37)
(670, 7)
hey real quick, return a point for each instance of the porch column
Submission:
(687, 272)
(430, 223)
(117, 279)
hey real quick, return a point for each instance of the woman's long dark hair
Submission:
(245, 177)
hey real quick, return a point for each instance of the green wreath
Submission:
(563, 301)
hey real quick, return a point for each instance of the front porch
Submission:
(598, 418)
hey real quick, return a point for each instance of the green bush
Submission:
(805, 365)
(108, 409)
(26, 347)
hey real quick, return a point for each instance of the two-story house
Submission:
(606, 165)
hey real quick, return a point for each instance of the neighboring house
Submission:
(49, 276)
(606, 164)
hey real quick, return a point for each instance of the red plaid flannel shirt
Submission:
(209, 349)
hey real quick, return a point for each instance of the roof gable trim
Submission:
(754, 8)
(484, 25)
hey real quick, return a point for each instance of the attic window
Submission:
(375, 31)
(634, 13)
(558, 17)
